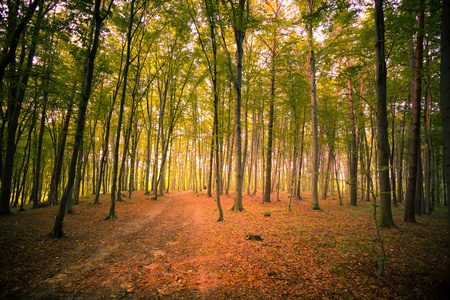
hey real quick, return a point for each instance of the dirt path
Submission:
(159, 254)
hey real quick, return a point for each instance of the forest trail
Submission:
(165, 243)
(173, 248)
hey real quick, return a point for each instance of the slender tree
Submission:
(315, 128)
(382, 122)
(275, 8)
(353, 146)
(415, 135)
(240, 18)
(57, 169)
(97, 21)
(129, 36)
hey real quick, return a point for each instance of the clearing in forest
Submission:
(172, 248)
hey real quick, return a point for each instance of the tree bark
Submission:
(415, 134)
(315, 133)
(382, 122)
(240, 21)
(300, 165)
(268, 185)
(353, 147)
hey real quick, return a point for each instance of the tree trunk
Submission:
(134, 144)
(315, 133)
(382, 122)
(415, 134)
(353, 148)
(211, 160)
(112, 212)
(53, 197)
(104, 157)
(36, 182)
(239, 28)
(300, 165)
(57, 231)
(78, 178)
(149, 147)
(391, 159)
(426, 208)
(268, 186)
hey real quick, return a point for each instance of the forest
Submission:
(113, 108)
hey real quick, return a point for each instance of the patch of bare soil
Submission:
(173, 248)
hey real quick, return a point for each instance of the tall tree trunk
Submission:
(327, 173)
(391, 159)
(252, 153)
(300, 165)
(382, 122)
(241, 12)
(53, 197)
(134, 143)
(268, 186)
(211, 160)
(149, 147)
(255, 186)
(36, 182)
(426, 208)
(212, 28)
(245, 154)
(353, 148)
(104, 157)
(78, 178)
(94, 165)
(112, 212)
(230, 163)
(315, 133)
(57, 231)
(415, 134)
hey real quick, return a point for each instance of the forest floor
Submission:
(173, 248)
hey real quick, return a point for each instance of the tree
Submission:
(240, 13)
(211, 17)
(353, 146)
(276, 11)
(16, 91)
(415, 135)
(53, 196)
(382, 122)
(315, 133)
(129, 38)
(97, 21)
